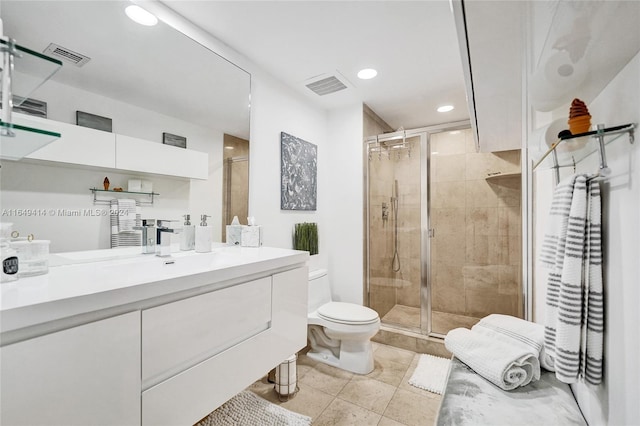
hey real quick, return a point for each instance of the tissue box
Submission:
(135, 185)
(147, 186)
(234, 235)
(251, 236)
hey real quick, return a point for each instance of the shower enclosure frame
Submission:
(425, 229)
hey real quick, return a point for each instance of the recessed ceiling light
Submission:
(367, 73)
(454, 132)
(445, 108)
(141, 16)
(228, 147)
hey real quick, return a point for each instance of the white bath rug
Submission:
(248, 409)
(431, 373)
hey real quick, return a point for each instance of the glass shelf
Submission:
(123, 192)
(151, 195)
(572, 149)
(19, 141)
(504, 179)
(31, 70)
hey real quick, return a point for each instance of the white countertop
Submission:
(85, 282)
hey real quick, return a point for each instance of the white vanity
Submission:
(146, 340)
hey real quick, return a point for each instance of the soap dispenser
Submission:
(188, 236)
(204, 233)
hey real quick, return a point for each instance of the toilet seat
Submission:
(347, 313)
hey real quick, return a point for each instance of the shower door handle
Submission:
(432, 232)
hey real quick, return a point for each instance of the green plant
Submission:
(305, 237)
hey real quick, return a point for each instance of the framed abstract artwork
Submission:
(299, 173)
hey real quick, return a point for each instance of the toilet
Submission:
(339, 333)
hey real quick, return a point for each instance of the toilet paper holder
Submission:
(286, 378)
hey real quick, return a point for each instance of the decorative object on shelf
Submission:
(118, 189)
(105, 183)
(579, 117)
(146, 186)
(93, 121)
(29, 106)
(305, 237)
(134, 185)
(298, 162)
(174, 140)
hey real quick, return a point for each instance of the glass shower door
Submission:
(394, 229)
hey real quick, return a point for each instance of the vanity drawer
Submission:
(181, 334)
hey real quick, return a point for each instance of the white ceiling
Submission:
(412, 44)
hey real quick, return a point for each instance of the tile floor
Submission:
(384, 397)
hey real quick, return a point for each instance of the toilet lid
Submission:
(347, 313)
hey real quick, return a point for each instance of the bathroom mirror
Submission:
(147, 79)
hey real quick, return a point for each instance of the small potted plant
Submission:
(305, 237)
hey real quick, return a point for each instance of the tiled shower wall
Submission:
(476, 251)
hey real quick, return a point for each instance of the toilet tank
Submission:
(319, 289)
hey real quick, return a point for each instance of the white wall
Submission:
(615, 402)
(345, 210)
(274, 110)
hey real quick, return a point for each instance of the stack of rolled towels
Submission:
(505, 350)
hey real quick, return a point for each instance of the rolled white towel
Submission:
(506, 366)
(511, 329)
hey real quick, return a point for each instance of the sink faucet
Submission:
(148, 237)
(163, 245)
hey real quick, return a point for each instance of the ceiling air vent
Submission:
(326, 85)
(66, 55)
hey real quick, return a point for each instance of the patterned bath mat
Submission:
(431, 373)
(248, 409)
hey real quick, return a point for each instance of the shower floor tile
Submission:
(443, 322)
(407, 316)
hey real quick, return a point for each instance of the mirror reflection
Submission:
(148, 80)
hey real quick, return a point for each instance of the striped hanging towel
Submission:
(123, 234)
(593, 329)
(574, 320)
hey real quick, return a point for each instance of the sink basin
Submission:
(76, 257)
(122, 253)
